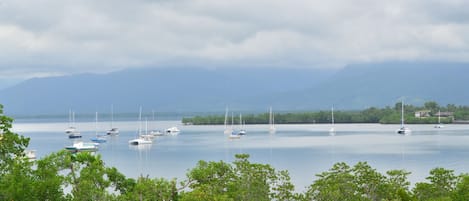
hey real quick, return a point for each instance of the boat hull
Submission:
(139, 141)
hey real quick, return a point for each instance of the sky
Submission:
(40, 38)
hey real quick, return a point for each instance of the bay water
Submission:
(304, 149)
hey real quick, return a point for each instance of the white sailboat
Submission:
(98, 138)
(172, 131)
(140, 140)
(439, 125)
(272, 128)
(227, 130)
(155, 132)
(233, 134)
(72, 131)
(146, 134)
(242, 131)
(403, 130)
(113, 130)
(332, 130)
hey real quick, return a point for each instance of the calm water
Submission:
(304, 150)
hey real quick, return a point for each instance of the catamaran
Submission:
(140, 139)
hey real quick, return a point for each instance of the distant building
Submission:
(444, 114)
(422, 113)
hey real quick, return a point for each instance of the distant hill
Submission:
(210, 90)
(384, 84)
(162, 89)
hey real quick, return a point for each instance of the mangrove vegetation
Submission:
(429, 113)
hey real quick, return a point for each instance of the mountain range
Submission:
(186, 89)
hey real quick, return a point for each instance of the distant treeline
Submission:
(387, 115)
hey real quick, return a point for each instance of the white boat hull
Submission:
(172, 131)
(140, 141)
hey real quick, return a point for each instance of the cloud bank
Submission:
(52, 37)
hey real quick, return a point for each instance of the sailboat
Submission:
(227, 130)
(155, 132)
(172, 131)
(242, 131)
(146, 134)
(140, 140)
(72, 130)
(403, 130)
(272, 128)
(233, 134)
(98, 138)
(439, 125)
(332, 130)
(113, 130)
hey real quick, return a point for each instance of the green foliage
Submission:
(17, 183)
(360, 182)
(12, 145)
(15, 169)
(385, 115)
(120, 182)
(48, 181)
(87, 177)
(461, 192)
(151, 189)
(335, 184)
(241, 181)
(441, 186)
(398, 185)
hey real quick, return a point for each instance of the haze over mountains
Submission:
(187, 89)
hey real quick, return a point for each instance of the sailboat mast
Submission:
(140, 121)
(273, 121)
(73, 118)
(96, 124)
(402, 114)
(232, 120)
(270, 117)
(332, 111)
(153, 118)
(146, 125)
(226, 116)
(69, 118)
(112, 115)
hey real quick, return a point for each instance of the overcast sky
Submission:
(57, 37)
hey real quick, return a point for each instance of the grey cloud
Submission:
(63, 37)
